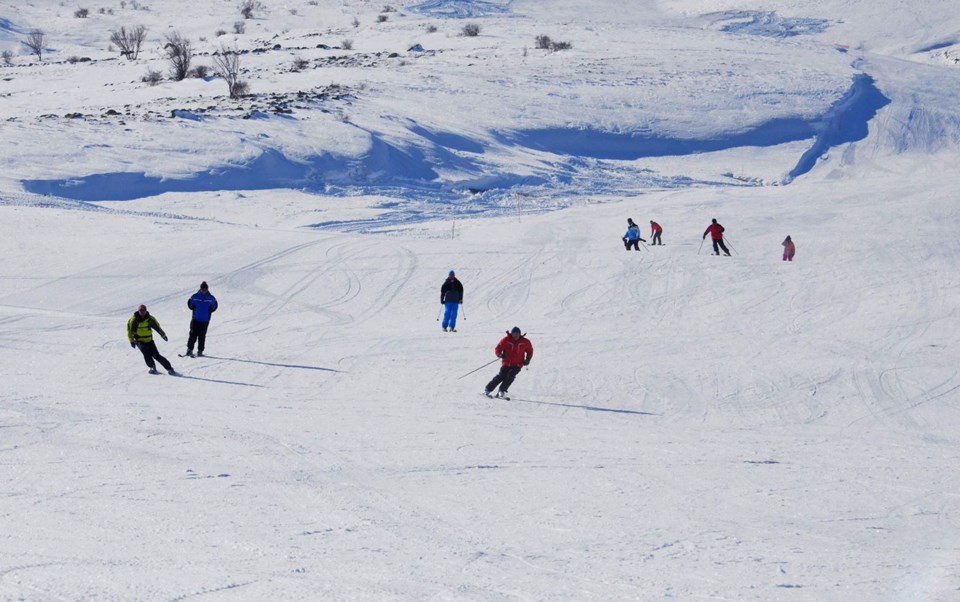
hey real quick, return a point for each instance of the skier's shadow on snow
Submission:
(582, 407)
(222, 382)
(298, 366)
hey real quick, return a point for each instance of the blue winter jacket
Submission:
(632, 233)
(203, 304)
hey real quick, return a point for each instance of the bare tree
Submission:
(129, 42)
(248, 6)
(227, 65)
(179, 54)
(35, 40)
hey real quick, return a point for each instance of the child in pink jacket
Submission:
(789, 249)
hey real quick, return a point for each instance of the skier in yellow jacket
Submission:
(140, 329)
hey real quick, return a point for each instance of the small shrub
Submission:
(179, 54)
(355, 23)
(221, 32)
(431, 28)
(7, 56)
(130, 41)
(388, 9)
(299, 64)
(239, 27)
(294, 12)
(545, 43)
(381, 18)
(247, 8)
(239, 89)
(152, 77)
(313, 3)
(347, 44)
(471, 30)
(200, 71)
(81, 13)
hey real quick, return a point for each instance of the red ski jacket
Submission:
(517, 351)
(655, 227)
(715, 231)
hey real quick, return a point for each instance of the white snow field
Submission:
(691, 427)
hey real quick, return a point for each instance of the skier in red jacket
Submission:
(515, 351)
(715, 231)
(789, 249)
(655, 231)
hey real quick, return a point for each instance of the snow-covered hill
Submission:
(690, 427)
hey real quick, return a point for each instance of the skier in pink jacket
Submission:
(789, 249)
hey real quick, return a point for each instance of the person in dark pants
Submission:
(655, 231)
(631, 237)
(140, 329)
(715, 231)
(515, 351)
(203, 305)
(451, 297)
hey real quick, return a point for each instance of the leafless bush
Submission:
(355, 23)
(7, 56)
(247, 8)
(431, 28)
(471, 30)
(81, 13)
(130, 41)
(299, 64)
(221, 32)
(347, 44)
(35, 40)
(152, 77)
(294, 12)
(200, 71)
(179, 54)
(239, 27)
(388, 9)
(381, 18)
(545, 43)
(227, 65)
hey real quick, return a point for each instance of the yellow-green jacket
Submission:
(139, 328)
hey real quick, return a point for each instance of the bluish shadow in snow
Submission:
(766, 24)
(945, 44)
(462, 9)
(448, 140)
(846, 121)
(631, 145)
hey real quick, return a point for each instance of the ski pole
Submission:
(464, 310)
(701, 244)
(727, 240)
(439, 311)
(480, 368)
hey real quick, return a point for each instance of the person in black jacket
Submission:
(451, 296)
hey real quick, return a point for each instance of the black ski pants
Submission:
(656, 238)
(198, 335)
(150, 353)
(504, 378)
(631, 243)
(717, 245)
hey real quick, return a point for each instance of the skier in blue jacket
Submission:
(632, 236)
(203, 305)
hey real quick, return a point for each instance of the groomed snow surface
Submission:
(691, 427)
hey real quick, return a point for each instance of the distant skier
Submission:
(789, 249)
(632, 236)
(715, 231)
(655, 231)
(515, 351)
(203, 305)
(451, 297)
(140, 335)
